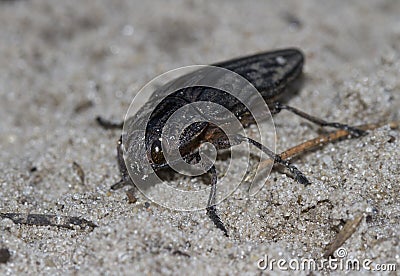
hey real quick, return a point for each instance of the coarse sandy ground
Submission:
(62, 63)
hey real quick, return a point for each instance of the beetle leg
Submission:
(108, 124)
(277, 107)
(298, 175)
(211, 208)
(211, 205)
(125, 178)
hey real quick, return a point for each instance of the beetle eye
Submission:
(156, 152)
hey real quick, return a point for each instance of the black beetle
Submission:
(269, 72)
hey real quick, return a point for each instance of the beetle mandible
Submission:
(271, 73)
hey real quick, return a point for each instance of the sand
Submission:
(64, 63)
